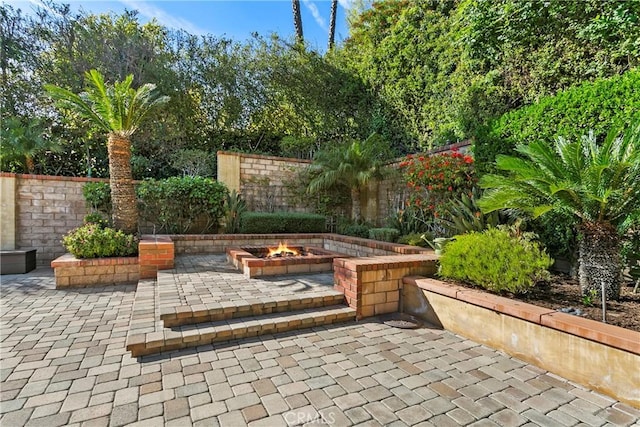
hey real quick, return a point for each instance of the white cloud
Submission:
(346, 4)
(150, 11)
(316, 14)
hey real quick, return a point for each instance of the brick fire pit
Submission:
(252, 261)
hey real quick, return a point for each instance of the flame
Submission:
(281, 249)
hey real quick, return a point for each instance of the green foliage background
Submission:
(420, 73)
(598, 106)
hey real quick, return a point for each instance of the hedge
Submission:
(592, 106)
(281, 222)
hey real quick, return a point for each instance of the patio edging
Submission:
(599, 356)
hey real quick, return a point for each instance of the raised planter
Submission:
(599, 356)
(154, 253)
(73, 272)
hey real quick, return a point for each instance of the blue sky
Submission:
(234, 18)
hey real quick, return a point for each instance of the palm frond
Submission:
(68, 100)
(593, 182)
(116, 108)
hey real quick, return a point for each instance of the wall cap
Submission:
(613, 336)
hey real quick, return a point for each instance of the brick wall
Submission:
(372, 285)
(47, 207)
(264, 182)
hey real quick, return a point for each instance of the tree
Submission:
(352, 165)
(118, 110)
(297, 20)
(21, 142)
(332, 24)
(598, 185)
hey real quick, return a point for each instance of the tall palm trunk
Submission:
(297, 20)
(355, 204)
(123, 194)
(332, 23)
(599, 260)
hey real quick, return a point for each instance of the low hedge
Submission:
(384, 234)
(281, 222)
(96, 241)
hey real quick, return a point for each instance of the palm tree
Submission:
(352, 165)
(598, 185)
(297, 20)
(118, 110)
(332, 23)
(21, 143)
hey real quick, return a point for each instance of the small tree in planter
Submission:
(599, 185)
(352, 165)
(118, 110)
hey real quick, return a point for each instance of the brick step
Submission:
(226, 310)
(206, 333)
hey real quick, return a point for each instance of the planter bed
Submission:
(599, 356)
(154, 253)
(73, 272)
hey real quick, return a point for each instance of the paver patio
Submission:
(64, 362)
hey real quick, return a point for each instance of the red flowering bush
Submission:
(435, 180)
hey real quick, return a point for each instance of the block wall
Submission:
(47, 207)
(262, 180)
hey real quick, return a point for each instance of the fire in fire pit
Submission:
(282, 251)
(270, 260)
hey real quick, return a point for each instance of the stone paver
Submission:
(64, 363)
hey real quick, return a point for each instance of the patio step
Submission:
(226, 310)
(206, 333)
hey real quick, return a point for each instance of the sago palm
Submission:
(599, 185)
(118, 110)
(352, 165)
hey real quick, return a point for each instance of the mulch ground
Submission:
(564, 292)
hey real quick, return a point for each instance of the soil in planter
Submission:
(564, 292)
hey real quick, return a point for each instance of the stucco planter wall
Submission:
(599, 356)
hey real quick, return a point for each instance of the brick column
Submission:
(372, 285)
(155, 253)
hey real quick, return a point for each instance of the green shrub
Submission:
(281, 222)
(96, 218)
(94, 241)
(415, 239)
(598, 106)
(234, 208)
(384, 234)
(98, 197)
(177, 204)
(495, 260)
(354, 229)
